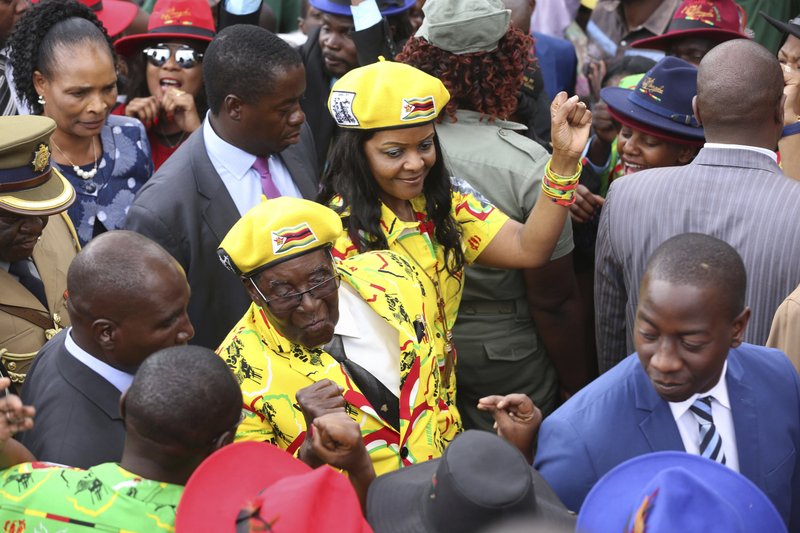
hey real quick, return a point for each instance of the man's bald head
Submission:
(112, 273)
(739, 91)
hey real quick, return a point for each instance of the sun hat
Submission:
(663, 492)
(464, 26)
(29, 184)
(792, 27)
(275, 231)
(479, 480)
(342, 7)
(385, 95)
(172, 19)
(248, 486)
(661, 103)
(717, 20)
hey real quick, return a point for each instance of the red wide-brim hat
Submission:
(170, 20)
(718, 21)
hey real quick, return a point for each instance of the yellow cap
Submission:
(277, 230)
(386, 95)
(591, 4)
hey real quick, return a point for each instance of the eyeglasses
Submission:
(185, 56)
(290, 302)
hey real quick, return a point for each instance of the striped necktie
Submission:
(710, 440)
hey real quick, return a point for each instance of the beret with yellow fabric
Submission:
(29, 185)
(277, 230)
(386, 95)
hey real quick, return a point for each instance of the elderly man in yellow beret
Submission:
(310, 344)
(37, 242)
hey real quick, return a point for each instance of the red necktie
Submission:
(267, 185)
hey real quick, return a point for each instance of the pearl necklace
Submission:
(82, 174)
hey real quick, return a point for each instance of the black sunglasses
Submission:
(185, 56)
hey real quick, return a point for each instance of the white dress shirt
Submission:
(378, 352)
(758, 149)
(121, 380)
(689, 428)
(234, 167)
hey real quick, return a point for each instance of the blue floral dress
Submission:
(103, 201)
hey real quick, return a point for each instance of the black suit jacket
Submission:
(78, 422)
(186, 208)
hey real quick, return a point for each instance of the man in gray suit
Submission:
(733, 190)
(253, 142)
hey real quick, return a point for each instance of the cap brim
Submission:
(395, 502)
(130, 44)
(609, 504)
(662, 42)
(784, 27)
(219, 488)
(343, 10)
(53, 196)
(624, 111)
(116, 16)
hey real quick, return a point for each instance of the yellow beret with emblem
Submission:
(29, 185)
(277, 230)
(385, 95)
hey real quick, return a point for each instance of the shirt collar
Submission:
(725, 146)
(473, 117)
(121, 380)
(235, 160)
(656, 23)
(719, 392)
(346, 326)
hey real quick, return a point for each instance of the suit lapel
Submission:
(658, 425)
(89, 383)
(218, 211)
(745, 419)
(15, 294)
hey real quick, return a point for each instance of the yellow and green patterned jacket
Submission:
(271, 369)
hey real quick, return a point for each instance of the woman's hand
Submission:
(14, 416)
(179, 107)
(586, 205)
(791, 88)
(145, 109)
(571, 123)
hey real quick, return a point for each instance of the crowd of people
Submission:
(399, 265)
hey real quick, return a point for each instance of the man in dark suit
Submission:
(733, 190)
(253, 142)
(692, 386)
(127, 300)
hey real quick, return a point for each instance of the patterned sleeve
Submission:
(479, 219)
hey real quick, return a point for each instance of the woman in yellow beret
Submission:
(389, 182)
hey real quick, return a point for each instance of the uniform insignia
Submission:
(41, 158)
(285, 240)
(342, 108)
(417, 108)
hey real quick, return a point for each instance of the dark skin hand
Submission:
(14, 418)
(516, 419)
(314, 401)
(586, 205)
(337, 441)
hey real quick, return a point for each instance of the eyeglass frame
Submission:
(299, 295)
(173, 50)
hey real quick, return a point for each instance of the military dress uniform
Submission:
(31, 187)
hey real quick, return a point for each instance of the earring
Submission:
(41, 99)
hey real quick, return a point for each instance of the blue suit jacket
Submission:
(620, 416)
(558, 62)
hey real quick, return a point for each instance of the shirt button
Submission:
(623, 43)
(403, 452)
(503, 133)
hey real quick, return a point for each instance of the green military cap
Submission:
(29, 185)
(464, 26)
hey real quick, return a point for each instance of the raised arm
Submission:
(530, 245)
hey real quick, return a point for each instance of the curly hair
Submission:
(348, 175)
(43, 28)
(486, 82)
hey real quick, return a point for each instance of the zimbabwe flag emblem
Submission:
(288, 239)
(417, 108)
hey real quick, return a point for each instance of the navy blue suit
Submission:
(558, 62)
(620, 416)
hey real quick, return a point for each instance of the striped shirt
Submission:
(7, 106)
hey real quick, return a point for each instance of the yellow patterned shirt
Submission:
(271, 369)
(479, 220)
(43, 497)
